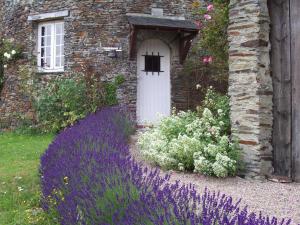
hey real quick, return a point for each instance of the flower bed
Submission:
(88, 177)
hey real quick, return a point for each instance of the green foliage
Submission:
(9, 52)
(19, 179)
(208, 61)
(214, 38)
(111, 90)
(54, 106)
(65, 100)
(198, 142)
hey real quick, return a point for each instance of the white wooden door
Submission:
(154, 83)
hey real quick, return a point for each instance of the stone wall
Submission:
(90, 26)
(250, 83)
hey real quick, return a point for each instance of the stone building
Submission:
(145, 41)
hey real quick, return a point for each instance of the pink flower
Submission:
(210, 7)
(207, 17)
(207, 59)
(198, 24)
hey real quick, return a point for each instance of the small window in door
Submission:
(153, 63)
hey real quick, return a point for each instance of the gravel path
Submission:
(280, 200)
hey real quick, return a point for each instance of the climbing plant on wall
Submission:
(9, 51)
(207, 64)
(213, 18)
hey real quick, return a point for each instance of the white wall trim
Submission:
(48, 16)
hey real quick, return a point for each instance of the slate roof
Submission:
(148, 21)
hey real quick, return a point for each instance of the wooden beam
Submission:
(132, 44)
(168, 29)
(281, 74)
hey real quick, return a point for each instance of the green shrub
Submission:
(65, 100)
(111, 90)
(189, 142)
(62, 102)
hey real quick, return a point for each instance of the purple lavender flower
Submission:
(88, 177)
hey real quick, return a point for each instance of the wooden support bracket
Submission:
(132, 44)
(185, 44)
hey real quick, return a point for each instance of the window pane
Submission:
(57, 61)
(48, 41)
(42, 62)
(59, 29)
(48, 30)
(48, 51)
(43, 31)
(58, 52)
(58, 40)
(48, 62)
(42, 52)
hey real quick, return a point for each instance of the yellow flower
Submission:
(196, 4)
(66, 180)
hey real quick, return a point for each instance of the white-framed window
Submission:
(51, 46)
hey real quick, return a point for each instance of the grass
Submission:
(19, 180)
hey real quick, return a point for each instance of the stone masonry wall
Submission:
(91, 25)
(250, 83)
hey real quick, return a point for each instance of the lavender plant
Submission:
(88, 177)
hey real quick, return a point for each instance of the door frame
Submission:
(286, 126)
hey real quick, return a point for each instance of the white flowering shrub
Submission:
(187, 141)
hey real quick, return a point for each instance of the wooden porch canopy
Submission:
(186, 31)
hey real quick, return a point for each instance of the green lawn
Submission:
(19, 180)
